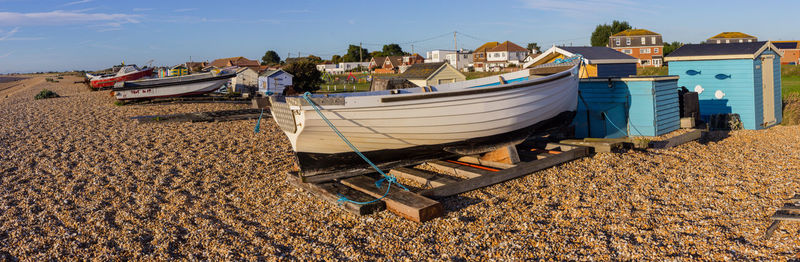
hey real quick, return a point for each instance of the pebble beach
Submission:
(80, 180)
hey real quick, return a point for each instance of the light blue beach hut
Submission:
(738, 78)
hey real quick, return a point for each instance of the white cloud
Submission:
(77, 2)
(584, 7)
(9, 34)
(62, 17)
(185, 9)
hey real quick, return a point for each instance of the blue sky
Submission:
(93, 34)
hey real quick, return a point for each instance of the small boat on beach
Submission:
(126, 73)
(195, 84)
(407, 126)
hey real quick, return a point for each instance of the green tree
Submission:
(315, 59)
(376, 54)
(336, 59)
(306, 76)
(354, 53)
(534, 47)
(603, 32)
(271, 57)
(392, 50)
(669, 47)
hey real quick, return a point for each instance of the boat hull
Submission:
(171, 90)
(400, 128)
(110, 81)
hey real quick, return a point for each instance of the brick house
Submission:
(236, 61)
(645, 45)
(479, 56)
(505, 55)
(731, 37)
(791, 52)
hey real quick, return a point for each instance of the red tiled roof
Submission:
(507, 46)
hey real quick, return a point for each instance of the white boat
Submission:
(403, 126)
(195, 84)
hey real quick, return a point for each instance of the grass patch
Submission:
(791, 109)
(342, 88)
(475, 75)
(652, 71)
(45, 94)
(51, 80)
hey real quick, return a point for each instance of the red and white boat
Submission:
(188, 85)
(126, 73)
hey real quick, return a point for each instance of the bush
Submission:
(44, 94)
(791, 110)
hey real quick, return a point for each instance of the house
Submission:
(460, 59)
(627, 107)
(505, 55)
(385, 64)
(274, 81)
(413, 59)
(741, 79)
(643, 44)
(791, 52)
(599, 61)
(479, 56)
(349, 66)
(427, 74)
(246, 80)
(194, 67)
(731, 37)
(235, 61)
(178, 70)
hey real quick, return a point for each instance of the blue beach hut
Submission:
(738, 78)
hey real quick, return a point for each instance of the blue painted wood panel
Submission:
(638, 108)
(740, 96)
(616, 70)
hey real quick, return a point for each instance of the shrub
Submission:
(44, 94)
(791, 110)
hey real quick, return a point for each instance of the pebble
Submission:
(81, 180)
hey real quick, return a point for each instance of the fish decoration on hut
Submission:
(692, 72)
(722, 76)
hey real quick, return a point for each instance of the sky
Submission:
(62, 35)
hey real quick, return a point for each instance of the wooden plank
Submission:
(522, 169)
(457, 170)
(785, 217)
(477, 161)
(507, 155)
(409, 205)
(795, 198)
(771, 229)
(792, 208)
(363, 171)
(678, 140)
(422, 176)
(330, 192)
(597, 146)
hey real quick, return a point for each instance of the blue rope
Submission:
(387, 178)
(258, 124)
(612, 123)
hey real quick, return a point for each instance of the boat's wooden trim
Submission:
(134, 86)
(475, 91)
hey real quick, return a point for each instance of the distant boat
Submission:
(395, 127)
(196, 84)
(126, 73)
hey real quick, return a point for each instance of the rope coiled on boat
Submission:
(388, 178)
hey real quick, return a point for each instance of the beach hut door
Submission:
(768, 85)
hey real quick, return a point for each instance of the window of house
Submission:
(435, 56)
(617, 41)
(718, 42)
(653, 39)
(644, 40)
(749, 40)
(628, 41)
(627, 51)
(645, 50)
(657, 62)
(727, 41)
(655, 50)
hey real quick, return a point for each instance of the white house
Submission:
(245, 79)
(273, 81)
(504, 55)
(464, 59)
(353, 65)
(341, 68)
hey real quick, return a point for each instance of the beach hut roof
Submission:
(421, 71)
(720, 51)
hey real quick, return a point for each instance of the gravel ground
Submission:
(82, 181)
